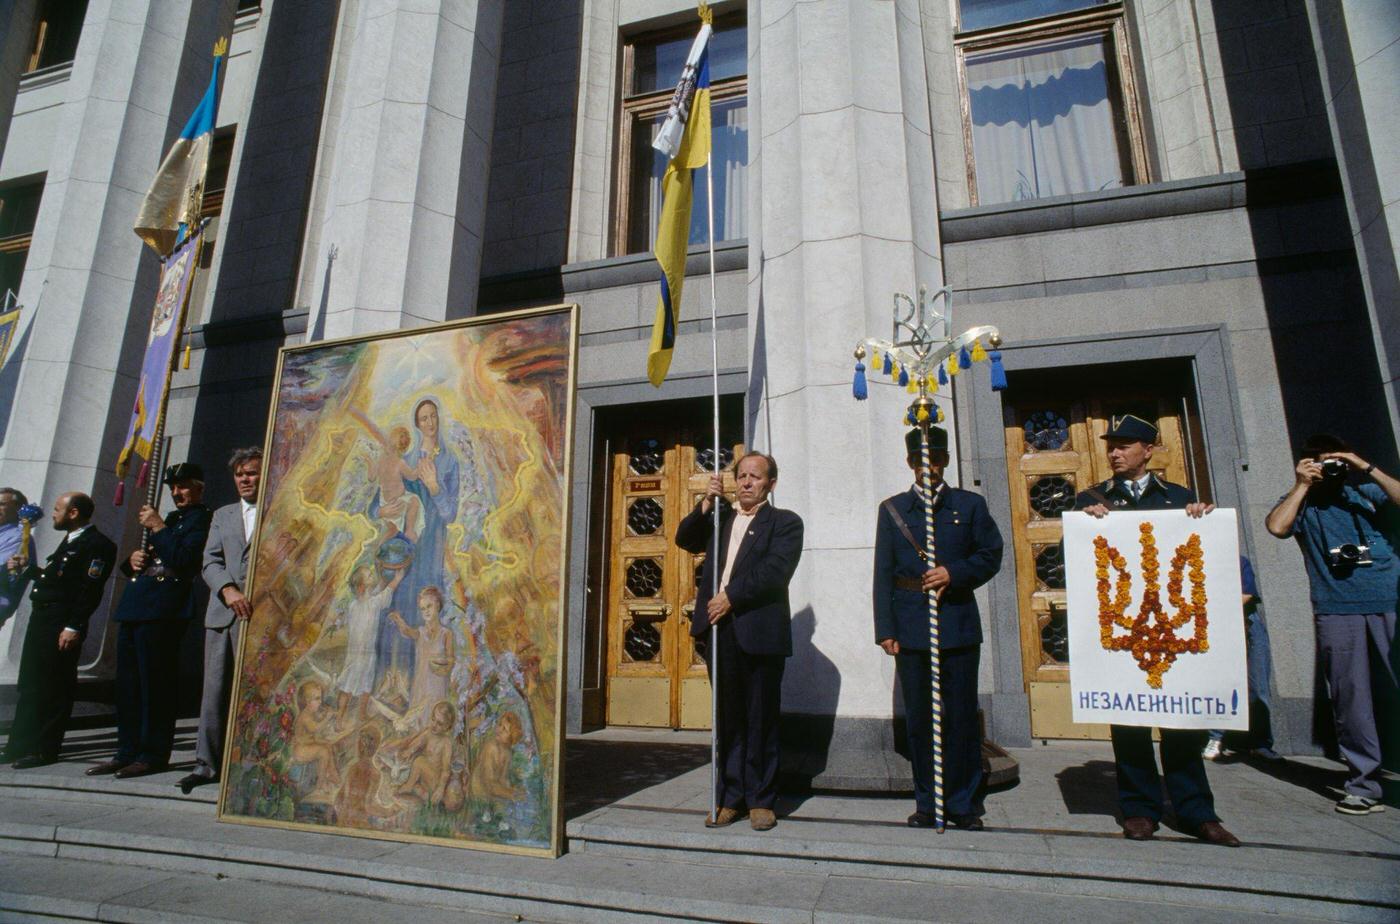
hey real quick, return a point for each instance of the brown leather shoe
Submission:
(111, 766)
(1213, 832)
(762, 819)
(1139, 828)
(139, 768)
(727, 817)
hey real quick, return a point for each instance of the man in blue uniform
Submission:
(967, 553)
(66, 592)
(1131, 442)
(156, 606)
(11, 532)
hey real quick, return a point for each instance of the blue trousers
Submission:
(1140, 786)
(148, 680)
(1355, 652)
(962, 739)
(750, 701)
(1260, 665)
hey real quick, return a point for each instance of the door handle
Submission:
(654, 612)
(688, 612)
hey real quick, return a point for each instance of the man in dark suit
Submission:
(155, 608)
(1130, 444)
(967, 553)
(225, 571)
(758, 550)
(66, 592)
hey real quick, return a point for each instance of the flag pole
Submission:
(714, 569)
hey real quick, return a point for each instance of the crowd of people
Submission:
(1336, 512)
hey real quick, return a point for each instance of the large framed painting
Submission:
(402, 673)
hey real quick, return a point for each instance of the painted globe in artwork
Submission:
(395, 553)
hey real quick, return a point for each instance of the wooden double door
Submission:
(1053, 429)
(660, 462)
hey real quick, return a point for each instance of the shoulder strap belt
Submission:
(904, 530)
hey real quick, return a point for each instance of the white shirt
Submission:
(1140, 482)
(74, 534)
(250, 519)
(738, 529)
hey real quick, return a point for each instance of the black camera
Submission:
(1334, 468)
(1349, 554)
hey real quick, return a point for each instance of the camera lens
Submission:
(1348, 552)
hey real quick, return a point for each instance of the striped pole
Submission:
(935, 681)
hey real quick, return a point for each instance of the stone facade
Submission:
(401, 162)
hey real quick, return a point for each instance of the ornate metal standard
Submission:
(921, 356)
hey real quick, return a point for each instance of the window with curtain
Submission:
(652, 65)
(1050, 108)
(19, 207)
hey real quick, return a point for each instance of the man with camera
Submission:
(1353, 573)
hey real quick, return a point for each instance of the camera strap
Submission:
(1355, 521)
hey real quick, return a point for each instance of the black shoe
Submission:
(139, 768)
(922, 820)
(188, 783)
(967, 822)
(34, 760)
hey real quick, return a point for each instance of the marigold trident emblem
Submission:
(1152, 634)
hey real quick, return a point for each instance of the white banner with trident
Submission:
(1156, 619)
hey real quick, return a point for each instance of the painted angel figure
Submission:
(400, 511)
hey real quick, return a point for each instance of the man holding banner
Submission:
(1130, 445)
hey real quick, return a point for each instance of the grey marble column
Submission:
(1358, 53)
(89, 283)
(843, 215)
(405, 154)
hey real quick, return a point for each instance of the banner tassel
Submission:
(998, 371)
(858, 386)
(143, 474)
(120, 495)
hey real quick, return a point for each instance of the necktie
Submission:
(1136, 490)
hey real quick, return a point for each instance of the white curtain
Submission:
(1042, 122)
(729, 134)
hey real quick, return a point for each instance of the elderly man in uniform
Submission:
(967, 554)
(1131, 442)
(759, 546)
(151, 618)
(225, 571)
(66, 592)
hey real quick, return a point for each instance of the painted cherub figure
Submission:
(491, 778)
(352, 803)
(399, 511)
(434, 652)
(430, 753)
(314, 740)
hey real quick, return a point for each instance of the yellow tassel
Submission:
(895, 370)
(932, 382)
(923, 414)
(952, 366)
(979, 355)
(185, 359)
(874, 359)
(940, 415)
(912, 387)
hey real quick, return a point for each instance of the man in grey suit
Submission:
(225, 571)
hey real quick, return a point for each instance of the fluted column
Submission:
(405, 156)
(89, 283)
(844, 214)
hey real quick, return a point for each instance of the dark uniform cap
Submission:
(183, 471)
(937, 439)
(1130, 427)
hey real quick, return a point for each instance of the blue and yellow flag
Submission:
(171, 207)
(685, 139)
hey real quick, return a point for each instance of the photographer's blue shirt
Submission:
(1321, 527)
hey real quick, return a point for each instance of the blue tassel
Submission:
(858, 387)
(964, 360)
(998, 372)
(903, 376)
(888, 368)
(942, 375)
(909, 418)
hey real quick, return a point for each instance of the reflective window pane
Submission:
(983, 14)
(729, 134)
(1044, 122)
(657, 65)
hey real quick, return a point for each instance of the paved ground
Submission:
(635, 804)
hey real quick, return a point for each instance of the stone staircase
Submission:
(75, 848)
